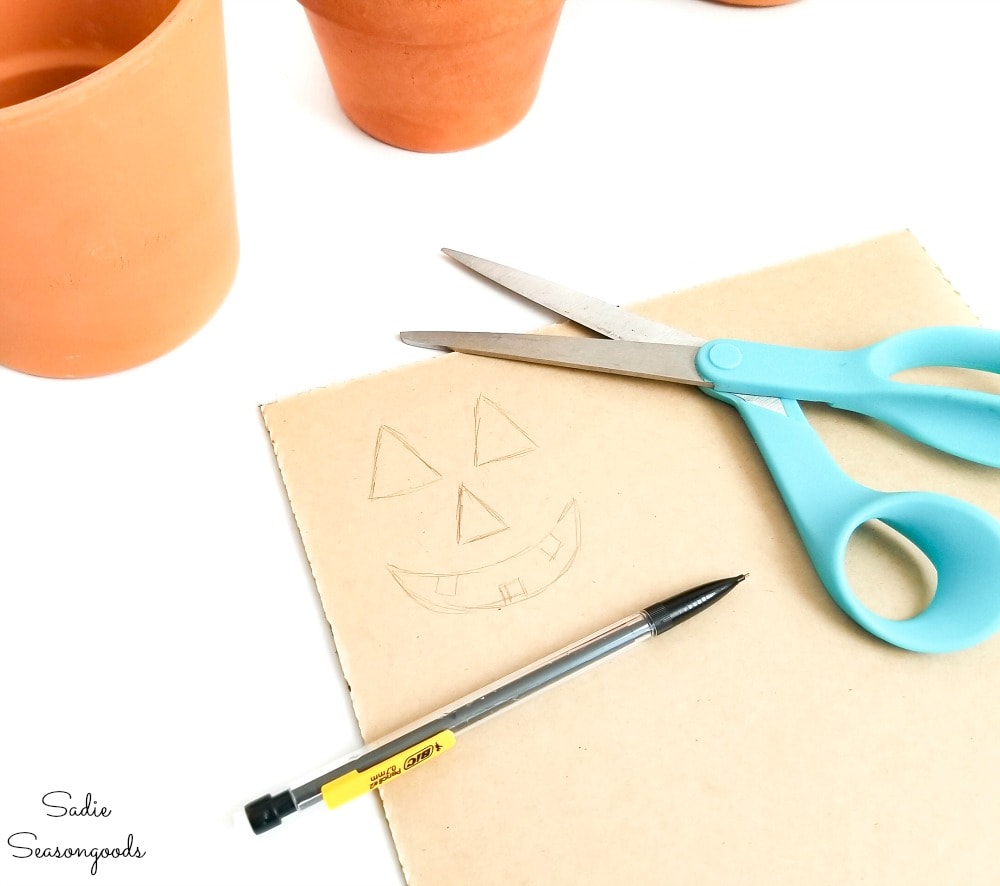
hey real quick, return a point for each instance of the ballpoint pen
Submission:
(381, 761)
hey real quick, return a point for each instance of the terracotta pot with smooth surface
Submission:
(434, 76)
(117, 218)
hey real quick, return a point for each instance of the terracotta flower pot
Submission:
(434, 76)
(117, 215)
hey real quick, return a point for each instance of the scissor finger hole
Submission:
(888, 573)
(950, 377)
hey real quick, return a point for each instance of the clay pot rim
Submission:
(413, 23)
(71, 93)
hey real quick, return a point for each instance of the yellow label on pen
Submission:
(355, 783)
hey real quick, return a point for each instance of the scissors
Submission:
(764, 382)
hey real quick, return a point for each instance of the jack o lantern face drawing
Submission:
(399, 469)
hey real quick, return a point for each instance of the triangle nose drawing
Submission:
(475, 519)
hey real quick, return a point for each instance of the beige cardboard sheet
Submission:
(466, 516)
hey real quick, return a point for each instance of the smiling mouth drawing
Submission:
(520, 577)
(399, 469)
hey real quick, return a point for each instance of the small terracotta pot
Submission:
(117, 213)
(434, 76)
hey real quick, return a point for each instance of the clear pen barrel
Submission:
(484, 702)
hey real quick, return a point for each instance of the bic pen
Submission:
(384, 760)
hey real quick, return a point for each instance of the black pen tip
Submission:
(672, 611)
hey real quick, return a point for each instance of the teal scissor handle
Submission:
(827, 506)
(962, 422)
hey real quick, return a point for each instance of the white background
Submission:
(163, 646)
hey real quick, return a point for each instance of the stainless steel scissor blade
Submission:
(639, 359)
(593, 313)
(590, 312)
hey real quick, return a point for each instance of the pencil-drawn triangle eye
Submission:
(398, 467)
(498, 436)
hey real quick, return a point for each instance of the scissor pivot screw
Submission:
(725, 355)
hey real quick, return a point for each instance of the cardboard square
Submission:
(769, 740)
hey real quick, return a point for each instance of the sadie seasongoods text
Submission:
(60, 805)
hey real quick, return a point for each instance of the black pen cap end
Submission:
(266, 812)
(672, 611)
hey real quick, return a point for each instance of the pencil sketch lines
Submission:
(519, 577)
(397, 467)
(498, 436)
(475, 519)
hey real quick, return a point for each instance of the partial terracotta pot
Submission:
(434, 76)
(117, 215)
